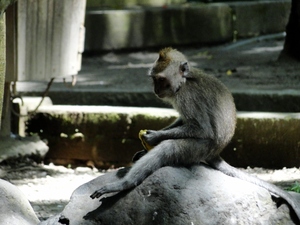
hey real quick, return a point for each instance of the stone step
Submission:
(145, 27)
(108, 135)
(245, 100)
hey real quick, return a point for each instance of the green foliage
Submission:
(295, 187)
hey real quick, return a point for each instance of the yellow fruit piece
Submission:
(144, 143)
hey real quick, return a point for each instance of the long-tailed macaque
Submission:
(206, 125)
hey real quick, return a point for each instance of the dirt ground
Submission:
(250, 66)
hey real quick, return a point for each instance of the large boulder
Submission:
(195, 195)
(14, 206)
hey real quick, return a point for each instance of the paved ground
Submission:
(248, 68)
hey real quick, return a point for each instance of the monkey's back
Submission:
(213, 102)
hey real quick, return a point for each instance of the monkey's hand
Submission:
(152, 137)
(142, 138)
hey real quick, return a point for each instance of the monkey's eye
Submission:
(158, 78)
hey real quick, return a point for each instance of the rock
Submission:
(195, 195)
(14, 206)
(15, 147)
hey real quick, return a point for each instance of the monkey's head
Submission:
(169, 72)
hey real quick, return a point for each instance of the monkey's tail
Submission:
(219, 164)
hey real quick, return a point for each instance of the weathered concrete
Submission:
(23, 107)
(120, 79)
(14, 206)
(262, 17)
(109, 135)
(182, 25)
(269, 140)
(14, 147)
(245, 100)
(150, 27)
(117, 4)
(195, 195)
(106, 135)
(286, 100)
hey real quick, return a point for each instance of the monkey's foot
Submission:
(139, 155)
(99, 192)
(117, 186)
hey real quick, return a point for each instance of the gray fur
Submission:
(206, 125)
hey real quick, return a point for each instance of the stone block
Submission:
(114, 29)
(183, 25)
(269, 140)
(116, 4)
(151, 27)
(106, 135)
(263, 17)
(109, 135)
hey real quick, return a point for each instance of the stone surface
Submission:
(270, 140)
(14, 206)
(258, 82)
(257, 18)
(144, 27)
(14, 147)
(25, 106)
(109, 135)
(195, 195)
(117, 4)
(152, 27)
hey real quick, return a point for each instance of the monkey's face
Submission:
(169, 73)
(161, 86)
(169, 81)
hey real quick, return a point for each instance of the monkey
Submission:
(206, 124)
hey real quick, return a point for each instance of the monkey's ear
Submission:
(184, 69)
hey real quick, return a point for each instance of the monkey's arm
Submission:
(176, 123)
(186, 130)
(140, 154)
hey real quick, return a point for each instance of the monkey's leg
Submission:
(167, 153)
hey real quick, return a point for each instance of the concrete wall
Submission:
(212, 23)
(256, 18)
(151, 27)
(108, 136)
(130, 3)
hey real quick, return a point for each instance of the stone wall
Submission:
(108, 136)
(190, 23)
